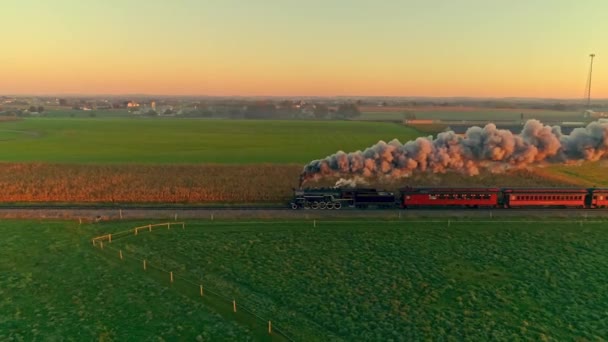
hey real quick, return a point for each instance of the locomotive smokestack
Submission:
(480, 148)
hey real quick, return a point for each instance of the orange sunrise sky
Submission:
(304, 48)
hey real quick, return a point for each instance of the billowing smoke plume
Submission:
(480, 148)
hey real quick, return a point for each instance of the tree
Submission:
(261, 110)
(32, 109)
(409, 115)
(347, 111)
(286, 109)
(206, 113)
(40, 109)
(321, 111)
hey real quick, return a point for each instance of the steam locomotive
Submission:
(429, 197)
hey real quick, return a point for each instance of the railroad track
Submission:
(134, 207)
(35, 207)
(235, 213)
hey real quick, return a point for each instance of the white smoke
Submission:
(485, 148)
(350, 183)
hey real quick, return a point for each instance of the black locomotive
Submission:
(335, 198)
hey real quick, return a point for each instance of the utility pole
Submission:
(589, 81)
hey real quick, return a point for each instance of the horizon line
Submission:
(291, 96)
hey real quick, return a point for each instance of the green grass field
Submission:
(144, 140)
(55, 286)
(358, 280)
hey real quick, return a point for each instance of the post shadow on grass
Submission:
(229, 308)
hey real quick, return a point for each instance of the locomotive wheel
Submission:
(330, 205)
(307, 205)
(315, 205)
(294, 206)
(337, 205)
(322, 205)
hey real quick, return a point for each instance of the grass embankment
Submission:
(514, 178)
(588, 174)
(347, 280)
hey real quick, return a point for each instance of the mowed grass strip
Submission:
(399, 280)
(146, 140)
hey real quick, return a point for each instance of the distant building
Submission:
(132, 104)
(62, 102)
(419, 121)
(153, 105)
(590, 114)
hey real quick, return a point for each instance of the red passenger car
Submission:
(549, 197)
(450, 197)
(599, 198)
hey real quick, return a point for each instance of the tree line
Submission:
(273, 110)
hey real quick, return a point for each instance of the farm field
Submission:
(382, 280)
(141, 140)
(55, 286)
(209, 183)
(207, 161)
(464, 113)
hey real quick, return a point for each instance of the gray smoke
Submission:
(480, 148)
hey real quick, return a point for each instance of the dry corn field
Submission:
(259, 183)
(146, 183)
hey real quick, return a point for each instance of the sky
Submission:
(477, 48)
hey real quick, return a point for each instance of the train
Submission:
(446, 197)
